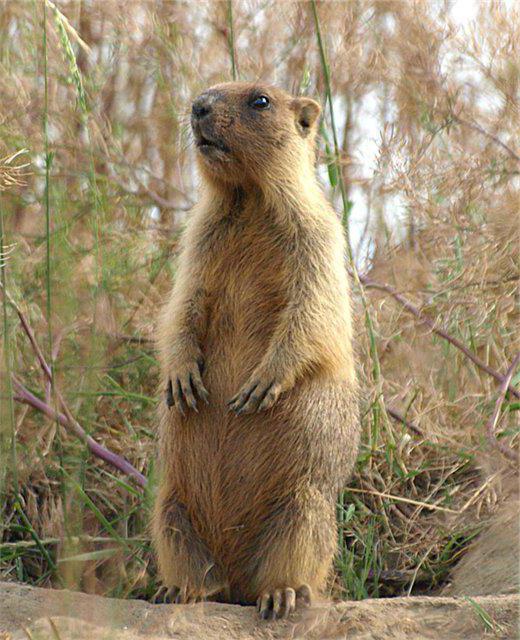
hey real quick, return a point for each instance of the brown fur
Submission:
(246, 503)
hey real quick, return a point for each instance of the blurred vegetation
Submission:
(419, 153)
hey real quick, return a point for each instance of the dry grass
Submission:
(89, 232)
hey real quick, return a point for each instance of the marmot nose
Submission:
(201, 107)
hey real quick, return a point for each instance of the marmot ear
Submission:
(307, 112)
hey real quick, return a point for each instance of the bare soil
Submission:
(28, 613)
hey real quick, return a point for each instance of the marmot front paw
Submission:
(198, 590)
(280, 603)
(185, 385)
(258, 394)
(175, 595)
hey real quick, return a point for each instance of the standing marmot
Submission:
(258, 328)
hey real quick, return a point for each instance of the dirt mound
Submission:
(45, 614)
(492, 563)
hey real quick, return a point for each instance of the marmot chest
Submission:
(247, 283)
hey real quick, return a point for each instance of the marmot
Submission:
(258, 426)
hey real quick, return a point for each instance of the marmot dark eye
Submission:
(260, 102)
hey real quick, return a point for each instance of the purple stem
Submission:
(493, 421)
(66, 419)
(406, 304)
(397, 416)
(25, 396)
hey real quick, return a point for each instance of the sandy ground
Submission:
(28, 613)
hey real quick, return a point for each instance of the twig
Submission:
(67, 421)
(161, 202)
(409, 425)
(54, 355)
(406, 304)
(493, 421)
(495, 139)
(29, 332)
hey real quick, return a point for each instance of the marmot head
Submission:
(253, 132)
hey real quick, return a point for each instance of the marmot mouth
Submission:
(205, 144)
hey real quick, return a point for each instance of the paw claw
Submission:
(255, 396)
(279, 603)
(265, 605)
(169, 395)
(183, 389)
(165, 595)
(268, 401)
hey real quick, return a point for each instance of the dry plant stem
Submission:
(231, 40)
(477, 493)
(12, 175)
(491, 425)
(24, 544)
(69, 28)
(66, 419)
(409, 425)
(406, 304)
(418, 503)
(477, 127)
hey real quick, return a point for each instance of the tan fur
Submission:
(246, 503)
